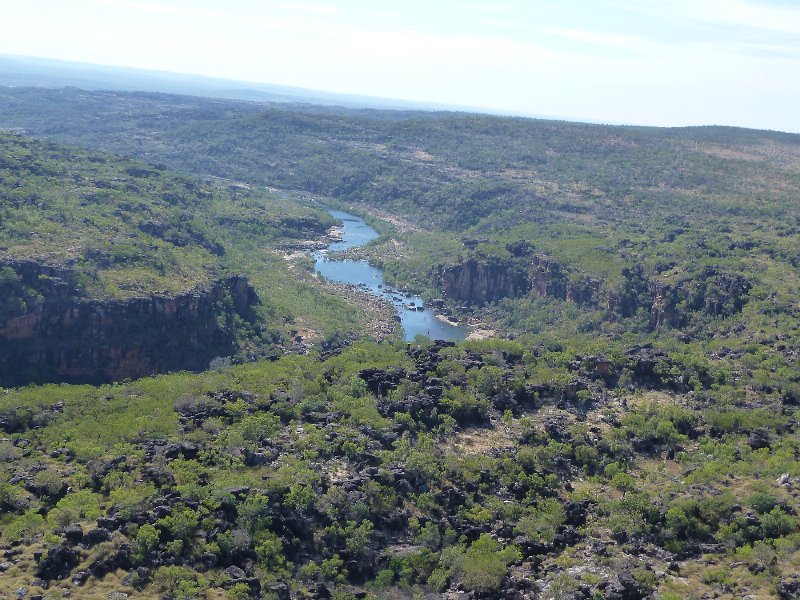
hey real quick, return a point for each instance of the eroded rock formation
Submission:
(48, 333)
(712, 291)
(480, 281)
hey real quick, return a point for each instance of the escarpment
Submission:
(710, 291)
(479, 281)
(48, 333)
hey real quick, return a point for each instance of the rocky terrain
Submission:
(488, 469)
(630, 431)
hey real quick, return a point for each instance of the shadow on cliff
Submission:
(47, 334)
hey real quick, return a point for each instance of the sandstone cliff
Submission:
(480, 281)
(710, 291)
(48, 333)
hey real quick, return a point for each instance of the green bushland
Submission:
(415, 490)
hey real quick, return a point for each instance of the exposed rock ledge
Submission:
(60, 337)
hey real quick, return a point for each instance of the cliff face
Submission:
(479, 282)
(711, 291)
(48, 334)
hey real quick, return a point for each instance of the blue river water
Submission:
(413, 316)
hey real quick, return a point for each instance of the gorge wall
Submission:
(480, 281)
(49, 334)
(710, 291)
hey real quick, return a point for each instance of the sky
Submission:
(649, 62)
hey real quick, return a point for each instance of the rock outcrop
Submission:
(48, 333)
(712, 291)
(479, 281)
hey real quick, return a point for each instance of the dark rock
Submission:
(96, 536)
(110, 523)
(532, 548)
(58, 562)
(46, 491)
(252, 582)
(123, 557)
(188, 450)
(238, 491)
(73, 533)
(520, 248)
(379, 381)
(434, 391)
(567, 536)
(759, 439)
(235, 572)
(675, 567)
(625, 587)
(120, 560)
(279, 590)
(258, 458)
(210, 560)
(576, 512)
(81, 577)
(404, 487)
(788, 588)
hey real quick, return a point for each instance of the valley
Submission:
(213, 387)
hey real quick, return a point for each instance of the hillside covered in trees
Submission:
(628, 431)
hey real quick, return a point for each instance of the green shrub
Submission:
(179, 581)
(82, 504)
(484, 565)
(269, 550)
(762, 502)
(181, 525)
(147, 539)
(26, 526)
(676, 521)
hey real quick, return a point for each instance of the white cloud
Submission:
(160, 8)
(320, 9)
(612, 40)
(745, 14)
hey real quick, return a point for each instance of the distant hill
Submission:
(22, 71)
(538, 225)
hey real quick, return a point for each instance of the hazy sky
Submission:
(658, 62)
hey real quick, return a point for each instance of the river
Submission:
(415, 318)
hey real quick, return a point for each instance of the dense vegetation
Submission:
(397, 469)
(635, 435)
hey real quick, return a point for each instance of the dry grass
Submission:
(480, 440)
